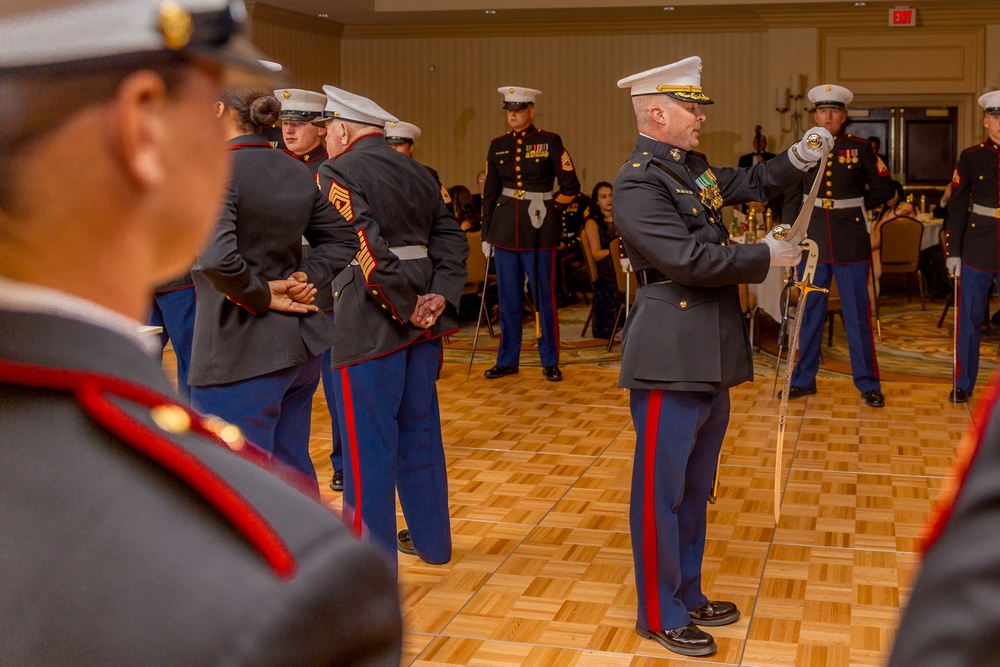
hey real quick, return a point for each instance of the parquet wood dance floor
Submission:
(539, 478)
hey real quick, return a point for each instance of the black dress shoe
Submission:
(552, 373)
(499, 371)
(688, 640)
(404, 544)
(715, 613)
(874, 398)
(959, 395)
(337, 483)
(798, 392)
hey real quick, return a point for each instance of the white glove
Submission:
(954, 265)
(626, 264)
(487, 248)
(804, 156)
(783, 253)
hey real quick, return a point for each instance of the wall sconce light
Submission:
(790, 100)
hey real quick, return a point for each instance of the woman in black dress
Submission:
(599, 231)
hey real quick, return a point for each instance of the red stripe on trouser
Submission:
(352, 442)
(651, 573)
(552, 303)
(868, 315)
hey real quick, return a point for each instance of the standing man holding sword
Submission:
(685, 342)
(973, 239)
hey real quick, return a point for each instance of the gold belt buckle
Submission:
(518, 194)
(829, 204)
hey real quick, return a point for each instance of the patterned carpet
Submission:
(911, 347)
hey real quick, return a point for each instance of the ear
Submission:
(658, 114)
(531, 112)
(322, 131)
(141, 127)
(220, 109)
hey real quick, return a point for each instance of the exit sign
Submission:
(902, 17)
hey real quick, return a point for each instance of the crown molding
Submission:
(263, 13)
(553, 28)
(758, 20)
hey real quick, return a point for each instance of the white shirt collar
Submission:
(29, 298)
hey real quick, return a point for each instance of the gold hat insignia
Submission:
(286, 94)
(510, 90)
(700, 67)
(175, 25)
(393, 124)
(829, 88)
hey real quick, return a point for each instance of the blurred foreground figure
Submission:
(132, 532)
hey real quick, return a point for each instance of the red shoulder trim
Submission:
(94, 392)
(546, 132)
(238, 146)
(502, 136)
(973, 440)
(854, 138)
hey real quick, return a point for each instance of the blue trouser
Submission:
(174, 311)
(512, 266)
(390, 425)
(973, 302)
(678, 438)
(272, 410)
(852, 283)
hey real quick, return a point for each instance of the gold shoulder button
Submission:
(171, 418)
(684, 304)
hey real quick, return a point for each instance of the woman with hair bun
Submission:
(258, 337)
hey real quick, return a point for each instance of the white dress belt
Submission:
(404, 252)
(525, 194)
(831, 204)
(988, 212)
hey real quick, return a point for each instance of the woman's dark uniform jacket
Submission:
(687, 333)
(973, 236)
(131, 542)
(392, 201)
(852, 170)
(531, 161)
(273, 202)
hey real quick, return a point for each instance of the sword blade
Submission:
(479, 318)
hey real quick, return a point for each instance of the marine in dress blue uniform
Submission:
(393, 305)
(172, 308)
(170, 539)
(855, 179)
(253, 364)
(685, 342)
(974, 242)
(305, 142)
(518, 222)
(401, 136)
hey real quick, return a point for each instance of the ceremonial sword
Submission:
(806, 287)
(482, 307)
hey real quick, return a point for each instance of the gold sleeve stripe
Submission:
(567, 163)
(365, 258)
(563, 199)
(340, 197)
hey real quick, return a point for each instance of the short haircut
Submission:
(37, 101)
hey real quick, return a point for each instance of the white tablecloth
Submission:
(932, 227)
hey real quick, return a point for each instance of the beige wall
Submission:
(457, 106)
(444, 77)
(308, 47)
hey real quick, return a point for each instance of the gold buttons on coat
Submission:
(171, 418)
(684, 304)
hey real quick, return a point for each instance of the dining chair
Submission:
(626, 288)
(901, 252)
